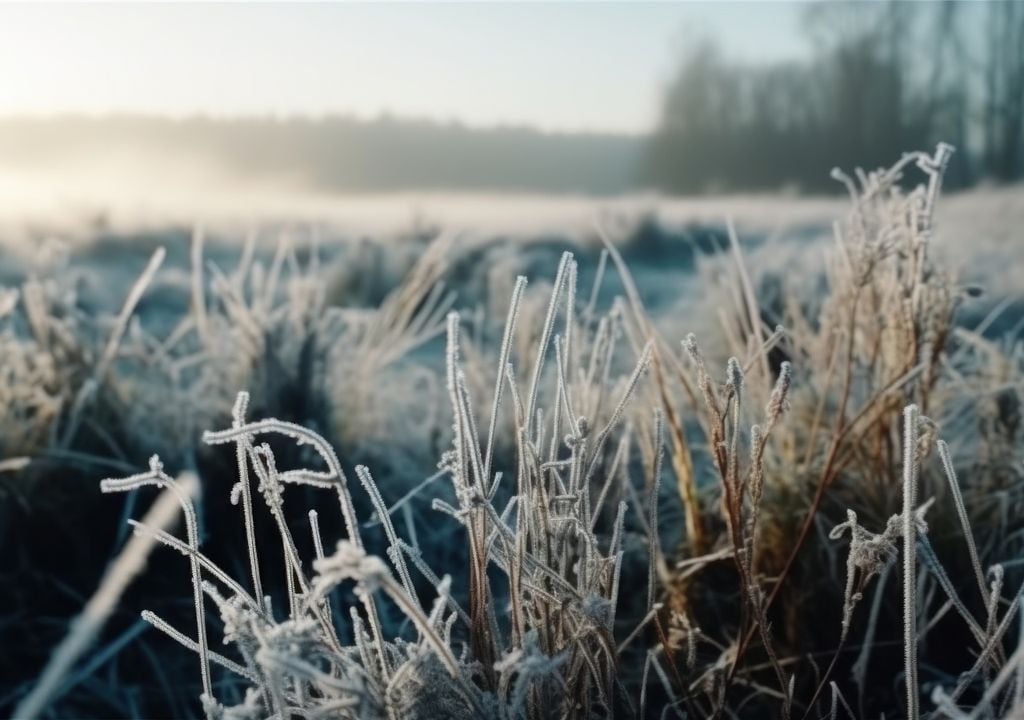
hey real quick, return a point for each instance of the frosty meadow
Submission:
(482, 493)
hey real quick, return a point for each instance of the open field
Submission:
(536, 457)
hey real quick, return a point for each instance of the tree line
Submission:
(882, 78)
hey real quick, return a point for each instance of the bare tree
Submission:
(1003, 106)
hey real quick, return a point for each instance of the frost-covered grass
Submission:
(636, 474)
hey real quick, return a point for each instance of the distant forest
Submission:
(881, 78)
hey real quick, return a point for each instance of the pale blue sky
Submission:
(558, 67)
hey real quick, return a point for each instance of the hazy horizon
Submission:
(131, 105)
(307, 118)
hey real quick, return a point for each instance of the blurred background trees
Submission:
(881, 78)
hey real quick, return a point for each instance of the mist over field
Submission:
(333, 155)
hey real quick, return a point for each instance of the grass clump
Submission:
(556, 648)
(882, 337)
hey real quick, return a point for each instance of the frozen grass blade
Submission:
(961, 512)
(503, 355)
(910, 475)
(184, 493)
(545, 338)
(92, 385)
